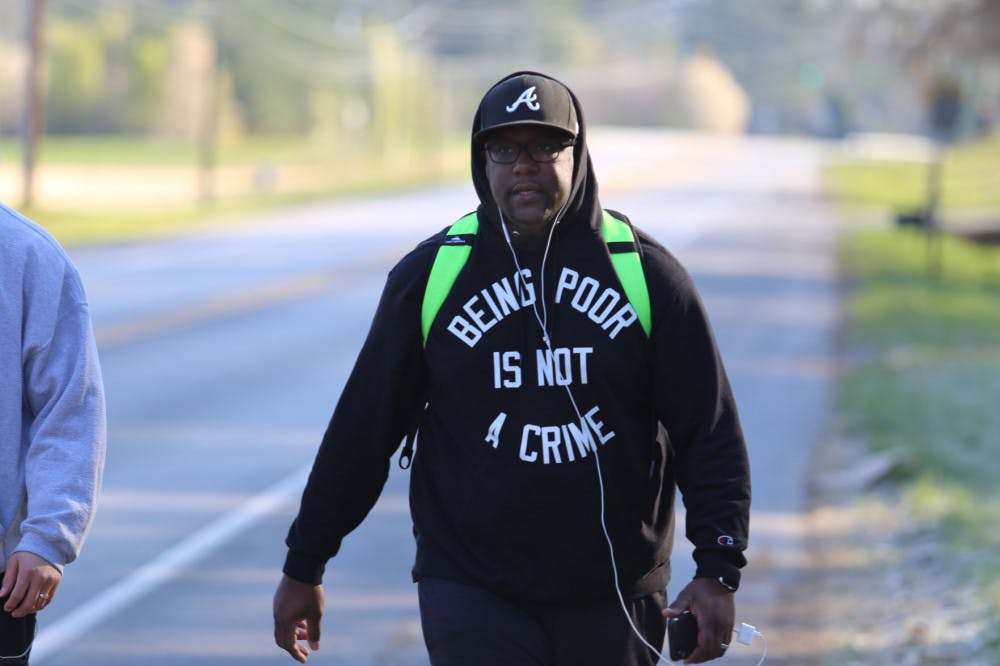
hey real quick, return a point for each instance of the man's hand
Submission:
(713, 606)
(29, 583)
(298, 608)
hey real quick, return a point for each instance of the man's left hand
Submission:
(29, 583)
(713, 607)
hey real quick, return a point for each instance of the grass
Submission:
(83, 227)
(925, 377)
(310, 170)
(923, 340)
(106, 150)
(145, 150)
(75, 228)
(970, 180)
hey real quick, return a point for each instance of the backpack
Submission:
(457, 246)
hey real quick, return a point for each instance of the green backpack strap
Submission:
(451, 257)
(457, 246)
(628, 264)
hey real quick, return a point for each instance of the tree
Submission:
(77, 80)
(34, 94)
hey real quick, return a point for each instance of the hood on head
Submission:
(532, 98)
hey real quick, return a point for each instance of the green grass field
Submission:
(923, 350)
(74, 228)
(969, 180)
(304, 170)
(142, 150)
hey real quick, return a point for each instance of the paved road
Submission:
(223, 354)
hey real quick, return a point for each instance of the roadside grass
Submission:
(76, 228)
(925, 376)
(923, 349)
(970, 179)
(148, 150)
(105, 150)
(310, 170)
(116, 224)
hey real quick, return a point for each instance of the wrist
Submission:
(725, 573)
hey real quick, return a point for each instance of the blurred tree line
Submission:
(292, 67)
(406, 71)
(832, 66)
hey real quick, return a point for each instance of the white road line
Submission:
(147, 578)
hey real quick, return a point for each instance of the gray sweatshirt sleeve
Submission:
(66, 425)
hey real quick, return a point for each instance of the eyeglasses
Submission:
(543, 150)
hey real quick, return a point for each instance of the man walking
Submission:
(564, 380)
(52, 426)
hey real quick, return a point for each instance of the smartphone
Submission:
(682, 632)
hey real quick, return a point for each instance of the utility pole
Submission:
(944, 108)
(208, 133)
(33, 125)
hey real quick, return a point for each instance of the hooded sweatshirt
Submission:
(532, 456)
(52, 417)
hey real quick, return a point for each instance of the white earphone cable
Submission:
(542, 322)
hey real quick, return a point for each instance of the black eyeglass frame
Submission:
(547, 157)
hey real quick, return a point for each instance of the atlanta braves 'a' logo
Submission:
(528, 98)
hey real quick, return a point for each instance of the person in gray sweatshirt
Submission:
(52, 425)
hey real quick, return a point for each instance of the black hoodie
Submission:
(527, 453)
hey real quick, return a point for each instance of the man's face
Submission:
(530, 192)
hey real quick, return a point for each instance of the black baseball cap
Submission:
(527, 98)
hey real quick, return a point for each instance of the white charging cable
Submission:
(745, 635)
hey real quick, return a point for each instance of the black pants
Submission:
(467, 625)
(16, 635)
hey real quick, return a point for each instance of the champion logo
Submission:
(725, 540)
(528, 98)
